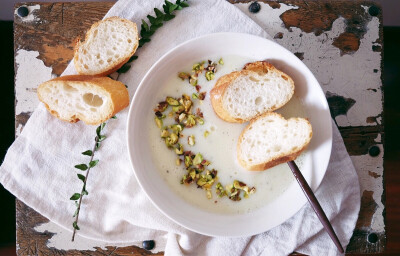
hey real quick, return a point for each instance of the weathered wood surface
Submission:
(340, 41)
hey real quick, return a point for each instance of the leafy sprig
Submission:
(146, 30)
(145, 33)
(77, 197)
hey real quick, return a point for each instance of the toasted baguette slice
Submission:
(108, 45)
(90, 99)
(243, 95)
(270, 140)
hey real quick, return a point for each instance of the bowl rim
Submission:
(141, 87)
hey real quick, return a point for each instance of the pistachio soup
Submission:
(195, 151)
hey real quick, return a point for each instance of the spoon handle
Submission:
(315, 204)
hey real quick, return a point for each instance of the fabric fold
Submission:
(39, 166)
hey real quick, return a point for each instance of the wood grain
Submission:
(62, 23)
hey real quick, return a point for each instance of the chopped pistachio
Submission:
(221, 61)
(179, 149)
(168, 142)
(161, 107)
(186, 102)
(188, 161)
(202, 95)
(219, 190)
(192, 173)
(164, 133)
(181, 117)
(183, 75)
(159, 115)
(206, 163)
(159, 122)
(210, 75)
(193, 80)
(208, 193)
(174, 138)
(201, 181)
(190, 121)
(178, 161)
(195, 96)
(176, 128)
(197, 159)
(198, 67)
(171, 101)
(235, 196)
(178, 109)
(191, 140)
(200, 120)
(206, 133)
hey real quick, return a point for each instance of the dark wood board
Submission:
(62, 23)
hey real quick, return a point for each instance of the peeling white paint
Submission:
(18, 130)
(31, 16)
(365, 164)
(336, 73)
(31, 72)
(350, 76)
(61, 240)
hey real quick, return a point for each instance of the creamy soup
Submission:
(219, 147)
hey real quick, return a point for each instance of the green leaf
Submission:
(114, 117)
(158, 13)
(154, 27)
(147, 34)
(183, 4)
(132, 58)
(82, 167)
(124, 68)
(166, 8)
(84, 192)
(87, 153)
(142, 41)
(81, 177)
(97, 145)
(76, 204)
(75, 196)
(103, 125)
(152, 19)
(75, 225)
(98, 130)
(93, 163)
(126, 86)
(145, 25)
(173, 7)
(101, 138)
(168, 17)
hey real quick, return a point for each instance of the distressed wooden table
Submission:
(340, 41)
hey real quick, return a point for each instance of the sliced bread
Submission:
(88, 98)
(243, 95)
(108, 45)
(270, 140)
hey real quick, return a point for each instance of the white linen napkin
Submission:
(38, 168)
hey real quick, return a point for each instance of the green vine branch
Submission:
(145, 33)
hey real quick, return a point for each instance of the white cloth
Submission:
(38, 168)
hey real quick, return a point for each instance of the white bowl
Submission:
(191, 217)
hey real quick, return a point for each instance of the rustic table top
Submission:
(340, 41)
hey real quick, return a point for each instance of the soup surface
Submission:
(219, 147)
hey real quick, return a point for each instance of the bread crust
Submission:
(282, 158)
(115, 65)
(217, 93)
(116, 90)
